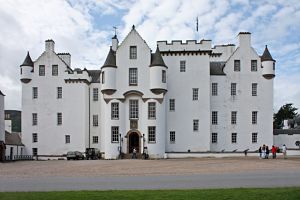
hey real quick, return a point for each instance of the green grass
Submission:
(205, 194)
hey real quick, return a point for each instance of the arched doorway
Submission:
(134, 142)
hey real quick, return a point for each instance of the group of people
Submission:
(264, 151)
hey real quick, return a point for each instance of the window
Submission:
(133, 76)
(195, 94)
(214, 117)
(254, 137)
(132, 52)
(164, 76)
(237, 65)
(182, 65)
(34, 119)
(254, 117)
(233, 137)
(67, 139)
(254, 89)
(172, 104)
(54, 70)
(34, 137)
(114, 110)
(151, 134)
(95, 120)
(253, 65)
(214, 89)
(34, 92)
(59, 92)
(172, 137)
(42, 70)
(214, 138)
(95, 139)
(233, 117)
(103, 77)
(34, 151)
(95, 94)
(233, 89)
(114, 134)
(59, 118)
(133, 109)
(196, 125)
(151, 110)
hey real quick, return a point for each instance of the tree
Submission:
(286, 111)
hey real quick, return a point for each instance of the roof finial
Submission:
(115, 30)
(133, 26)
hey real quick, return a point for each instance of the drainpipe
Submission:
(89, 117)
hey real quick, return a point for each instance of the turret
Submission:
(108, 74)
(26, 69)
(158, 73)
(268, 64)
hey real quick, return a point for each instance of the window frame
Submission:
(54, 70)
(34, 119)
(133, 109)
(182, 66)
(115, 134)
(114, 110)
(237, 65)
(214, 138)
(233, 117)
(59, 119)
(67, 139)
(151, 110)
(254, 89)
(171, 104)
(59, 92)
(35, 93)
(214, 117)
(214, 89)
(95, 120)
(34, 137)
(253, 65)
(254, 137)
(152, 134)
(233, 138)
(233, 89)
(195, 94)
(42, 70)
(254, 117)
(195, 125)
(95, 139)
(133, 52)
(163, 76)
(172, 137)
(133, 76)
(95, 94)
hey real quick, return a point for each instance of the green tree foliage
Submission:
(286, 111)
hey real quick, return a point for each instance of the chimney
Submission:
(49, 45)
(244, 39)
(115, 43)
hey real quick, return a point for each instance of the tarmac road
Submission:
(227, 180)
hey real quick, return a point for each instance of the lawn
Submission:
(206, 194)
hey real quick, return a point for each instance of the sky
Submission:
(84, 28)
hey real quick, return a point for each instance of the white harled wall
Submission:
(2, 122)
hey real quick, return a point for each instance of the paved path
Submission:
(204, 175)
(267, 179)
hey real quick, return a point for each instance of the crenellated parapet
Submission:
(189, 45)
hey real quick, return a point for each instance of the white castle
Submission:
(185, 97)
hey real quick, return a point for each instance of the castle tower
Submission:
(26, 69)
(108, 74)
(268, 64)
(158, 73)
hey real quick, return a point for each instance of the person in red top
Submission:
(274, 149)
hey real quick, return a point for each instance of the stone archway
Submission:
(134, 141)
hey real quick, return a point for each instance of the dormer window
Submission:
(132, 52)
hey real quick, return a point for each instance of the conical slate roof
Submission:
(110, 59)
(156, 59)
(27, 61)
(1, 93)
(266, 55)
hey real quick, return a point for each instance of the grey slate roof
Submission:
(1, 93)
(156, 59)
(266, 55)
(216, 68)
(110, 59)
(95, 74)
(13, 139)
(286, 131)
(27, 61)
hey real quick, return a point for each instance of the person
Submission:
(284, 149)
(134, 153)
(267, 152)
(259, 150)
(145, 153)
(273, 150)
(263, 152)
